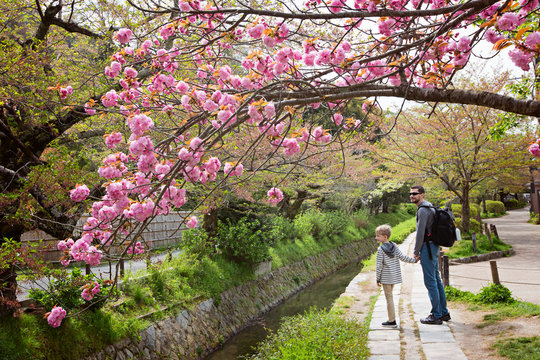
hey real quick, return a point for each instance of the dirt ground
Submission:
(476, 341)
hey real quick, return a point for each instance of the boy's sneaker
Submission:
(389, 323)
(431, 320)
(446, 317)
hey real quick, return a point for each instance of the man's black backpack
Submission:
(443, 232)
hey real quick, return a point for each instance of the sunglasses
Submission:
(414, 194)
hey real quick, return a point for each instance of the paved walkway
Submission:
(520, 272)
(433, 342)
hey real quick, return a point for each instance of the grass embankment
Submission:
(327, 335)
(498, 302)
(175, 285)
(464, 247)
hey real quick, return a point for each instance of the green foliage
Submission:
(496, 207)
(474, 210)
(65, 290)
(411, 209)
(514, 204)
(495, 293)
(316, 335)
(402, 230)
(522, 348)
(197, 243)
(494, 297)
(244, 241)
(474, 225)
(464, 247)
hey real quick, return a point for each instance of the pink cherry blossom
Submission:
(520, 58)
(274, 195)
(123, 35)
(533, 41)
(192, 222)
(534, 149)
(56, 316)
(508, 21)
(113, 139)
(80, 193)
(256, 31)
(110, 98)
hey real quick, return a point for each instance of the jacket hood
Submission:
(389, 249)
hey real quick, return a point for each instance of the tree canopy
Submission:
(183, 81)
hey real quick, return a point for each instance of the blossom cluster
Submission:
(56, 316)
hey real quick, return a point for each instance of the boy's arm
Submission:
(379, 265)
(404, 257)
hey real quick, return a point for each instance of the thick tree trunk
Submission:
(465, 209)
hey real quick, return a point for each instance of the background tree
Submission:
(452, 145)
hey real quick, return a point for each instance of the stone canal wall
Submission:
(196, 332)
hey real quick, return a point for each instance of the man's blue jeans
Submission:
(432, 279)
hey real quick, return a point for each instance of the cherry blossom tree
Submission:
(200, 75)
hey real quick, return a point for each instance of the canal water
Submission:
(320, 295)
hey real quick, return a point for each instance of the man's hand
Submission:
(417, 257)
(378, 284)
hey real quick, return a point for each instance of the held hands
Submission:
(417, 258)
(378, 284)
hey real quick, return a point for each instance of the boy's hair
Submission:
(384, 230)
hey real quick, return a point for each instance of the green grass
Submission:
(464, 248)
(522, 348)
(316, 335)
(499, 304)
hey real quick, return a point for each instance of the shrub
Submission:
(360, 218)
(495, 207)
(495, 293)
(474, 210)
(281, 229)
(474, 225)
(514, 204)
(453, 294)
(197, 243)
(243, 242)
(65, 290)
(411, 209)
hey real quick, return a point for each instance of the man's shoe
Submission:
(389, 323)
(446, 317)
(430, 320)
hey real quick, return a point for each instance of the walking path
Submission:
(520, 272)
(413, 340)
(435, 342)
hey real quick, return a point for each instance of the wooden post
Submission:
(121, 267)
(493, 229)
(475, 249)
(446, 271)
(488, 233)
(494, 271)
(87, 268)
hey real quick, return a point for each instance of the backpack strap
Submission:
(429, 234)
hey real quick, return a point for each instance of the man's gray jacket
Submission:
(424, 223)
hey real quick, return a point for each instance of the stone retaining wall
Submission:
(196, 332)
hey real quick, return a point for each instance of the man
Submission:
(428, 254)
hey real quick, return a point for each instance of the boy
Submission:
(388, 268)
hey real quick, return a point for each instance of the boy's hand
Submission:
(417, 257)
(378, 284)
